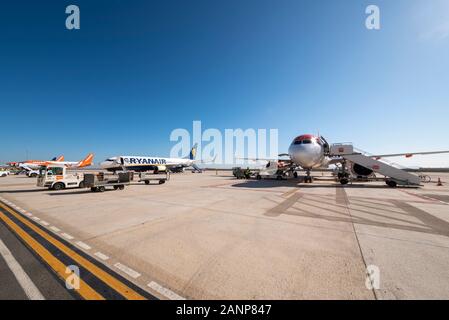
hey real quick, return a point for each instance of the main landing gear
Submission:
(343, 175)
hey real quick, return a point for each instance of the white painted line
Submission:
(45, 223)
(83, 245)
(28, 214)
(127, 270)
(23, 279)
(23, 210)
(164, 291)
(36, 218)
(102, 256)
(67, 236)
(54, 229)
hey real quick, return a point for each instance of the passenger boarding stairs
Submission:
(401, 177)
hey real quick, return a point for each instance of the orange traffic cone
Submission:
(439, 184)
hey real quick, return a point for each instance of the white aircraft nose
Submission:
(106, 164)
(304, 155)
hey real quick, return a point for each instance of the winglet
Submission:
(193, 152)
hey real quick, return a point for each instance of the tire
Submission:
(147, 182)
(161, 181)
(33, 175)
(279, 178)
(94, 189)
(344, 181)
(81, 185)
(295, 174)
(121, 187)
(391, 183)
(58, 186)
(101, 189)
(258, 177)
(115, 187)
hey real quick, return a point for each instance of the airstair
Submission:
(401, 177)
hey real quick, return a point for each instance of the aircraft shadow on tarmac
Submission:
(22, 190)
(295, 183)
(363, 212)
(77, 191)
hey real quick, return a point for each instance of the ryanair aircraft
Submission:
(142, 163)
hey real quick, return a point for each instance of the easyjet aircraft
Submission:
(87, 161)
(34, 164)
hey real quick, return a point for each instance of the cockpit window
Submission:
(306, 141)
(298, 142)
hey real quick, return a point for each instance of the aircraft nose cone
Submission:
(304, 155)
(105, 164)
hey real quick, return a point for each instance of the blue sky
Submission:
(136, 70)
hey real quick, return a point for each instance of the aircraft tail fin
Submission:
(86, 161)
(60, 158)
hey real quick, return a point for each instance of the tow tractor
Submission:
(55, 177)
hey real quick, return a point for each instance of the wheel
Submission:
(101, 189)
(115, 187)
(279, 178)
(93, 189)
(81, 185)
(258, 177)
(121, 187)
(344, 181)
(33, 175)
(391, 183)
(58, 186)
(295, 174)
(161, 181)
(147, 181)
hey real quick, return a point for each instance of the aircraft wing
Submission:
(268, 159)
(407, 155)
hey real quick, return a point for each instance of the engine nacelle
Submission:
(359, 170)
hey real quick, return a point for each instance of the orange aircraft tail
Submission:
(87, 161)
(60, 158)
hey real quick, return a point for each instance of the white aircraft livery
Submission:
(144, 163)
(310, 152)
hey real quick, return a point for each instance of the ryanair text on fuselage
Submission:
(145, 160)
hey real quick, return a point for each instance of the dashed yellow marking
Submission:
(111, 281)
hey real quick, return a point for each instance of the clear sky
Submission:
(136, 70)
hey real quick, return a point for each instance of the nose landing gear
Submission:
(308, 178)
